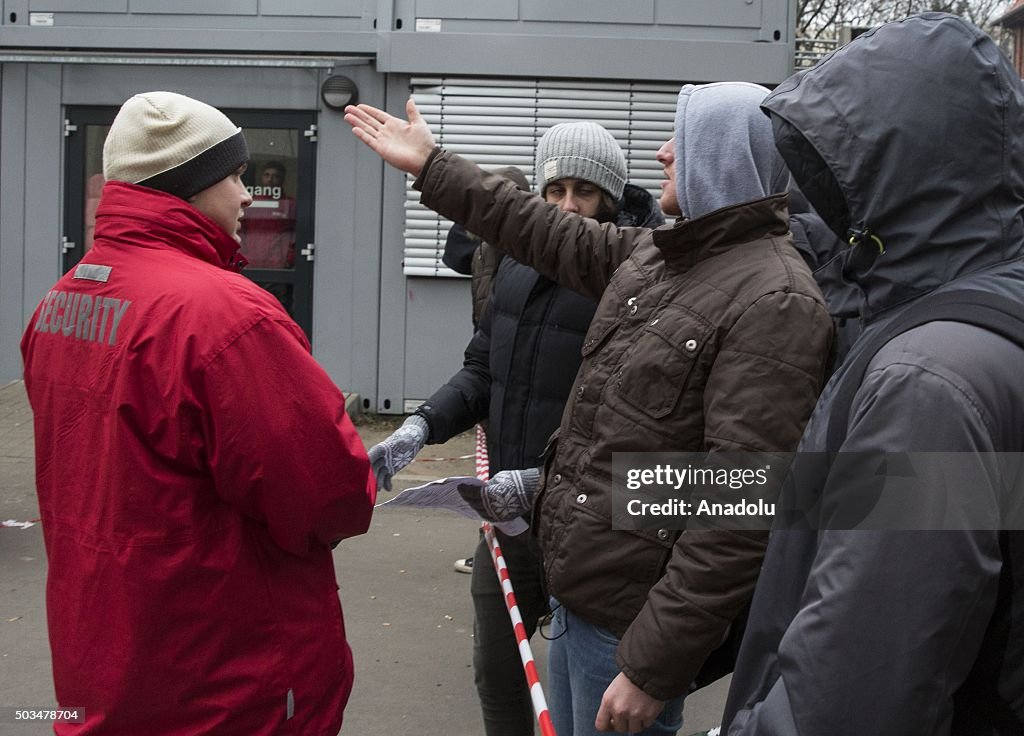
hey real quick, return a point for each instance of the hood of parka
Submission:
(908, 144)
(818, 246)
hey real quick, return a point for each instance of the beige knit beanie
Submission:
(173, 143)
(581, 150)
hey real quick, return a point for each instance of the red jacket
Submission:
(193, 464)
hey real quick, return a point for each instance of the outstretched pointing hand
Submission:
(404, 145)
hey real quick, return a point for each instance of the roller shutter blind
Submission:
(497, 123)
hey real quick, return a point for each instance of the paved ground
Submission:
(409, 616)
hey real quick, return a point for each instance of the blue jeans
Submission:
(581, 666)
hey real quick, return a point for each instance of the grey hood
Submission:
(908, 142)
(723, 148)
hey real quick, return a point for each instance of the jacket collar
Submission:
(144, 217)
(691, 241)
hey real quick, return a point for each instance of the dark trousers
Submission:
(500, 680)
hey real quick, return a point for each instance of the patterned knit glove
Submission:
(398, 450)
(507, 495)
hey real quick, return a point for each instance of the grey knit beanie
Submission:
(173, 143)
(581, 151)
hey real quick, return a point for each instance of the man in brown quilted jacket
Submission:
(710, 336)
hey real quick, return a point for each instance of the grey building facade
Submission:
(337, 236)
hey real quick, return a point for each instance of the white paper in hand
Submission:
(444, 494)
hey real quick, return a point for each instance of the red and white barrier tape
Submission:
(483, 465)
(540, 705)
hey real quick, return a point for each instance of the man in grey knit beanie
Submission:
(581, 150)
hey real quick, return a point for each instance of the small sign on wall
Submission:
(40, 19)
(428, 25)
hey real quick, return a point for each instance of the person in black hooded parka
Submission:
(909, 143)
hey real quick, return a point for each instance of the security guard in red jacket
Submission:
(194, 463)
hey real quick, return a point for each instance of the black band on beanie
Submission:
(205, 170)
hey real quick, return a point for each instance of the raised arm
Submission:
(577, 252)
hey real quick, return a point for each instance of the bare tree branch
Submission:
(824, 18)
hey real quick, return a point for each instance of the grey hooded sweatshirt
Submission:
(909, 142)
(705, 139)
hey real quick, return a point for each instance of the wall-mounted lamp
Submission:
(338, 91)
